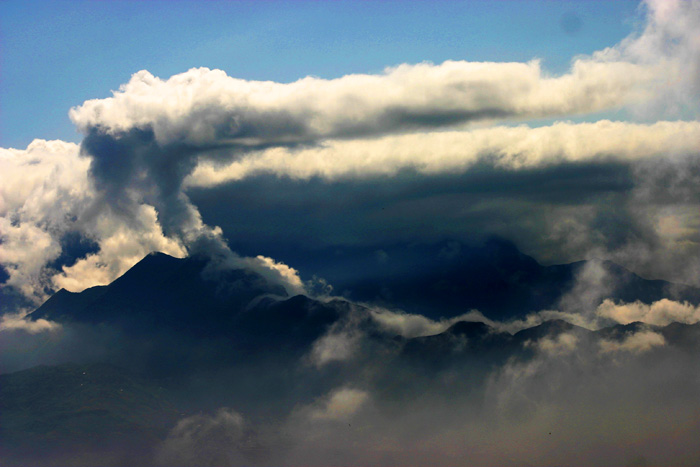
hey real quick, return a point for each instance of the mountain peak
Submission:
(549, 328)
(163, 291)
(469, 328)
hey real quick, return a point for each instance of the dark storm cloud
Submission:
(409, 207)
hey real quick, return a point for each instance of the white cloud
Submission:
(42, 191)
(509, 148)
(670, 39)
(563, 344)
(659, 313)
(334, 347)
(17, 322)
(412, 325)
(121, 246)
(638, 342)
(46, 193)
(275, 272)
(340, 404)
(359, 123)
(203, 106)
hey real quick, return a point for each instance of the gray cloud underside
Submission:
(642, 214)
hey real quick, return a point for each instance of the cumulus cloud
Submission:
(335, 346)
(151, 134)
(276, 272)
(670, 38)
(42, 191)
(45, 194)
(141, 147)
(208, 109)
(121, 246)
(202, 107)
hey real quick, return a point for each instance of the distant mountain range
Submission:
(495, 279)
(191, 337)
(449, 278)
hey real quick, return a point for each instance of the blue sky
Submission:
(55, 55)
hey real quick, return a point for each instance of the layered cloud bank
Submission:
(91, 212)
(206, 107)
(507, 148)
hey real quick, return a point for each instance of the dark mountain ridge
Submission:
(449, 278)
(162, 292)
(165, 292)
(193, 339)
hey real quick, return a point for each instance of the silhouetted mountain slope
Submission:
(449, 278)
(471, 348)
(462, 338)
(180, 314)
(289, 324)
(162, 292)
(210, 338)
(550, 328)
(65, 305)
(620, 331)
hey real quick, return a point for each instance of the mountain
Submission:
(191, 343)
(443, 280)
(162, 292)
(448, 279)
(172, 315)
(179, 340)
